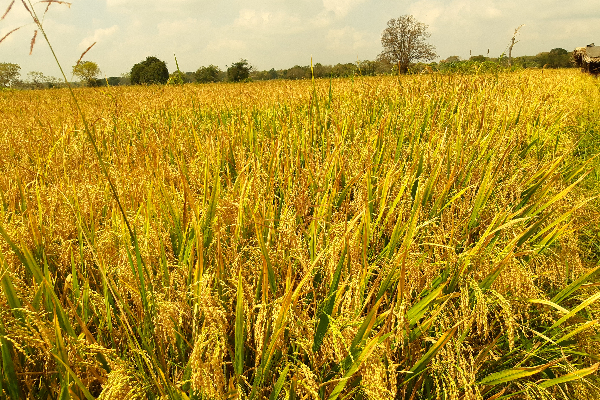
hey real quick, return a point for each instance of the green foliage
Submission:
(479, 58)
(37, 80)
(114, 81)
(177, 78)
(297, 72)
(9, 74)
(555, 58)
(468, 67)
(126, 78)
(360, 68)
(451, 59)
(373, 68)
(88, 72)
(239, 71)
(272, 74)
(344, 70)
(209, 74)
(267, 75)
(150, 71)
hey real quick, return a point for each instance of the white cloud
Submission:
(269, 22)
(130, 4)
(226, 44)
(172, 7)
(278, 33)
(252, 18)
(98, 36)
(456, 12)
(341, 7)
(347, 39)
(177, 27)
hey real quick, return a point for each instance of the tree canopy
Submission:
(555, 58)
(37, 80)
(150, 71)
(404, 42)
(87, 71)
(207, 74)
(177, 78)
(239, 71)
(9, 74)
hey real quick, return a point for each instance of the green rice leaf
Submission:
(416, 312)
(512, 374)
(10, 293)
(580, 328)
(590, 300)
(362, 357)
(579, 374)
(433, 350)
(239, 329)
(327, 305)
(279, 384)
(576, 284)
(8, 367)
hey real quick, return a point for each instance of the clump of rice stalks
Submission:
(366, 238)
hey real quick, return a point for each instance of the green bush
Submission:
(151, 71)
(239, 71)
(208, 74)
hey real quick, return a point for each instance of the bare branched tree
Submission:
(404, 42)
(513, 41)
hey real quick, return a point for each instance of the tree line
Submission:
(154, 71)
(405, 50)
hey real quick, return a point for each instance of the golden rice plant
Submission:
(367, 238)
(422, 237)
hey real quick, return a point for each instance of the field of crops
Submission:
(422, 237)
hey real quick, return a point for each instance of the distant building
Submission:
(588, 58)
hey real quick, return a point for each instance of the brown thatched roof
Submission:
(589, 54)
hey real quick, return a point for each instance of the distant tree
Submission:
(298, 72)
(555, 58)
(343, 70)
(126, 78)
(9, 74)
(542, 59)
(451, 59)
(150, 71)
(177, 78)
(369, 68)
(114, 81)
(239, 71)
(87, 71)
(558, 52)
(98, 83)
(321, 71)
(37, 80)
(513, 41)
(479, 58)
(404, 42)
(560, 58)
(272, 74)
(207, 74)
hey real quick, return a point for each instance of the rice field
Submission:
(422, 237)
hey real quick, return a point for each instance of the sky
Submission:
(281, 33)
